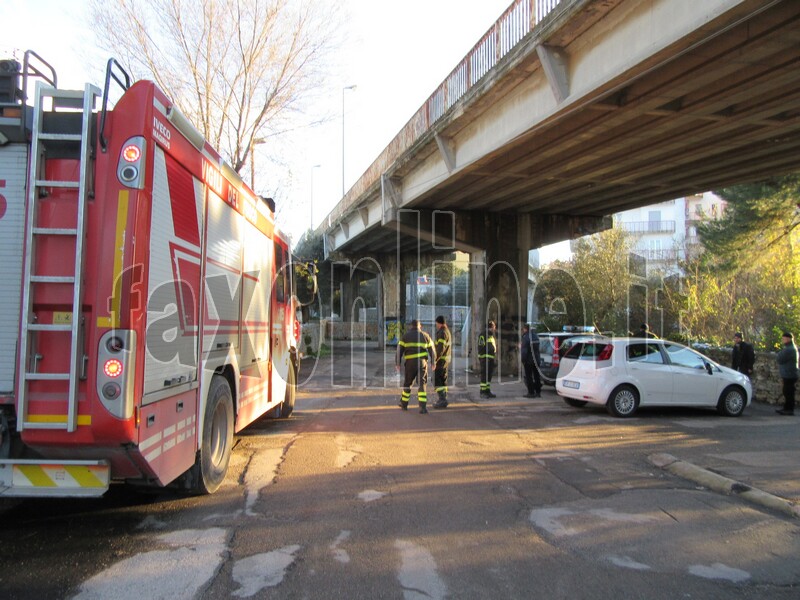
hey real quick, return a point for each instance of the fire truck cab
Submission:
(147, 310)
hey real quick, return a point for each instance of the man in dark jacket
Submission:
(443, 343)
(743, 356)
(530, 356)
(788, 369)
(644, 332)
(415, 347)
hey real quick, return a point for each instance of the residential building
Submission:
(666, 233)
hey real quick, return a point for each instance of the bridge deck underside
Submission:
(724, 110)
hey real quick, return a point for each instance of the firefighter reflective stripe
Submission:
(488, 345)
(67, 478)
(421, 345)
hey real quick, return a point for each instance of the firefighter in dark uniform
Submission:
(443, 342)
(487, 357)
(415, 347)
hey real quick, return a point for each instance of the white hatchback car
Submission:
(623, 374)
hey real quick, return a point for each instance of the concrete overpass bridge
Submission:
(565, 112)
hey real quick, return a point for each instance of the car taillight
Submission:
(605, 353)
(556, 355)
(297, 330)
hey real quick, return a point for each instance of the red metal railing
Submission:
(513, 25)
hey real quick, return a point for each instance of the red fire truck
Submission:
(147, 307)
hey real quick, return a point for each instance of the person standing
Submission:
(537, 362)
(743, 356)
(644, 332)
(788, 369)
(415, 348)
(443, 345)
(487, 357)
(529, 353)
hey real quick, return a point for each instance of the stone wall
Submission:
(766, 380)
(348, 330)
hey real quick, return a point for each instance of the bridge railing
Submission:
(514, 24)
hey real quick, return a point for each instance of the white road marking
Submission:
(260, 473)
(418, 575)
(340, 554)
(719, 571)
(260, 571)
(346, 454)
(628, 563)
(612, 515)
(370, 495)
(162, 574)
(548, 519)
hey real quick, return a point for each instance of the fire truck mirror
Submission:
(305, 282)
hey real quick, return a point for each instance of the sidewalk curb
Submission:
(723, 485)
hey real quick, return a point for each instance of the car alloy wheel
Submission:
(732, 402)
(623, 401)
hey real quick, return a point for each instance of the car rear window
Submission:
(589, 351)
(648, 353)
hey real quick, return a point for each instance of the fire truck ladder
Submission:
(75, 100)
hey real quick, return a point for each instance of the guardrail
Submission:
(514, 24)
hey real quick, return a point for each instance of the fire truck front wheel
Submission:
(287, 406)
(215, 451)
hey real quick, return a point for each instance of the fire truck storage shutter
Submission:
(13, 158)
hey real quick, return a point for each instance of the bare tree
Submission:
(240, 70)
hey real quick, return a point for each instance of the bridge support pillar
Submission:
(499, 278)
(499, 274)
(391, 300)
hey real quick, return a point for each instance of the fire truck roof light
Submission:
(131, 153)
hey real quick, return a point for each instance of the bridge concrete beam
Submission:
(555, 64)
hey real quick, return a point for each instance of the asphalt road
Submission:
(509, 498)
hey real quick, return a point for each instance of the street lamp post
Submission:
(344, 89)
(311, 201)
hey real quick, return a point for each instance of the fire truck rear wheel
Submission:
(215, 451)
(287, 406)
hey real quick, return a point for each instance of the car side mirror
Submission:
(709, 368)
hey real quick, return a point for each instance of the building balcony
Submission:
(648, 226)
(660, 255)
